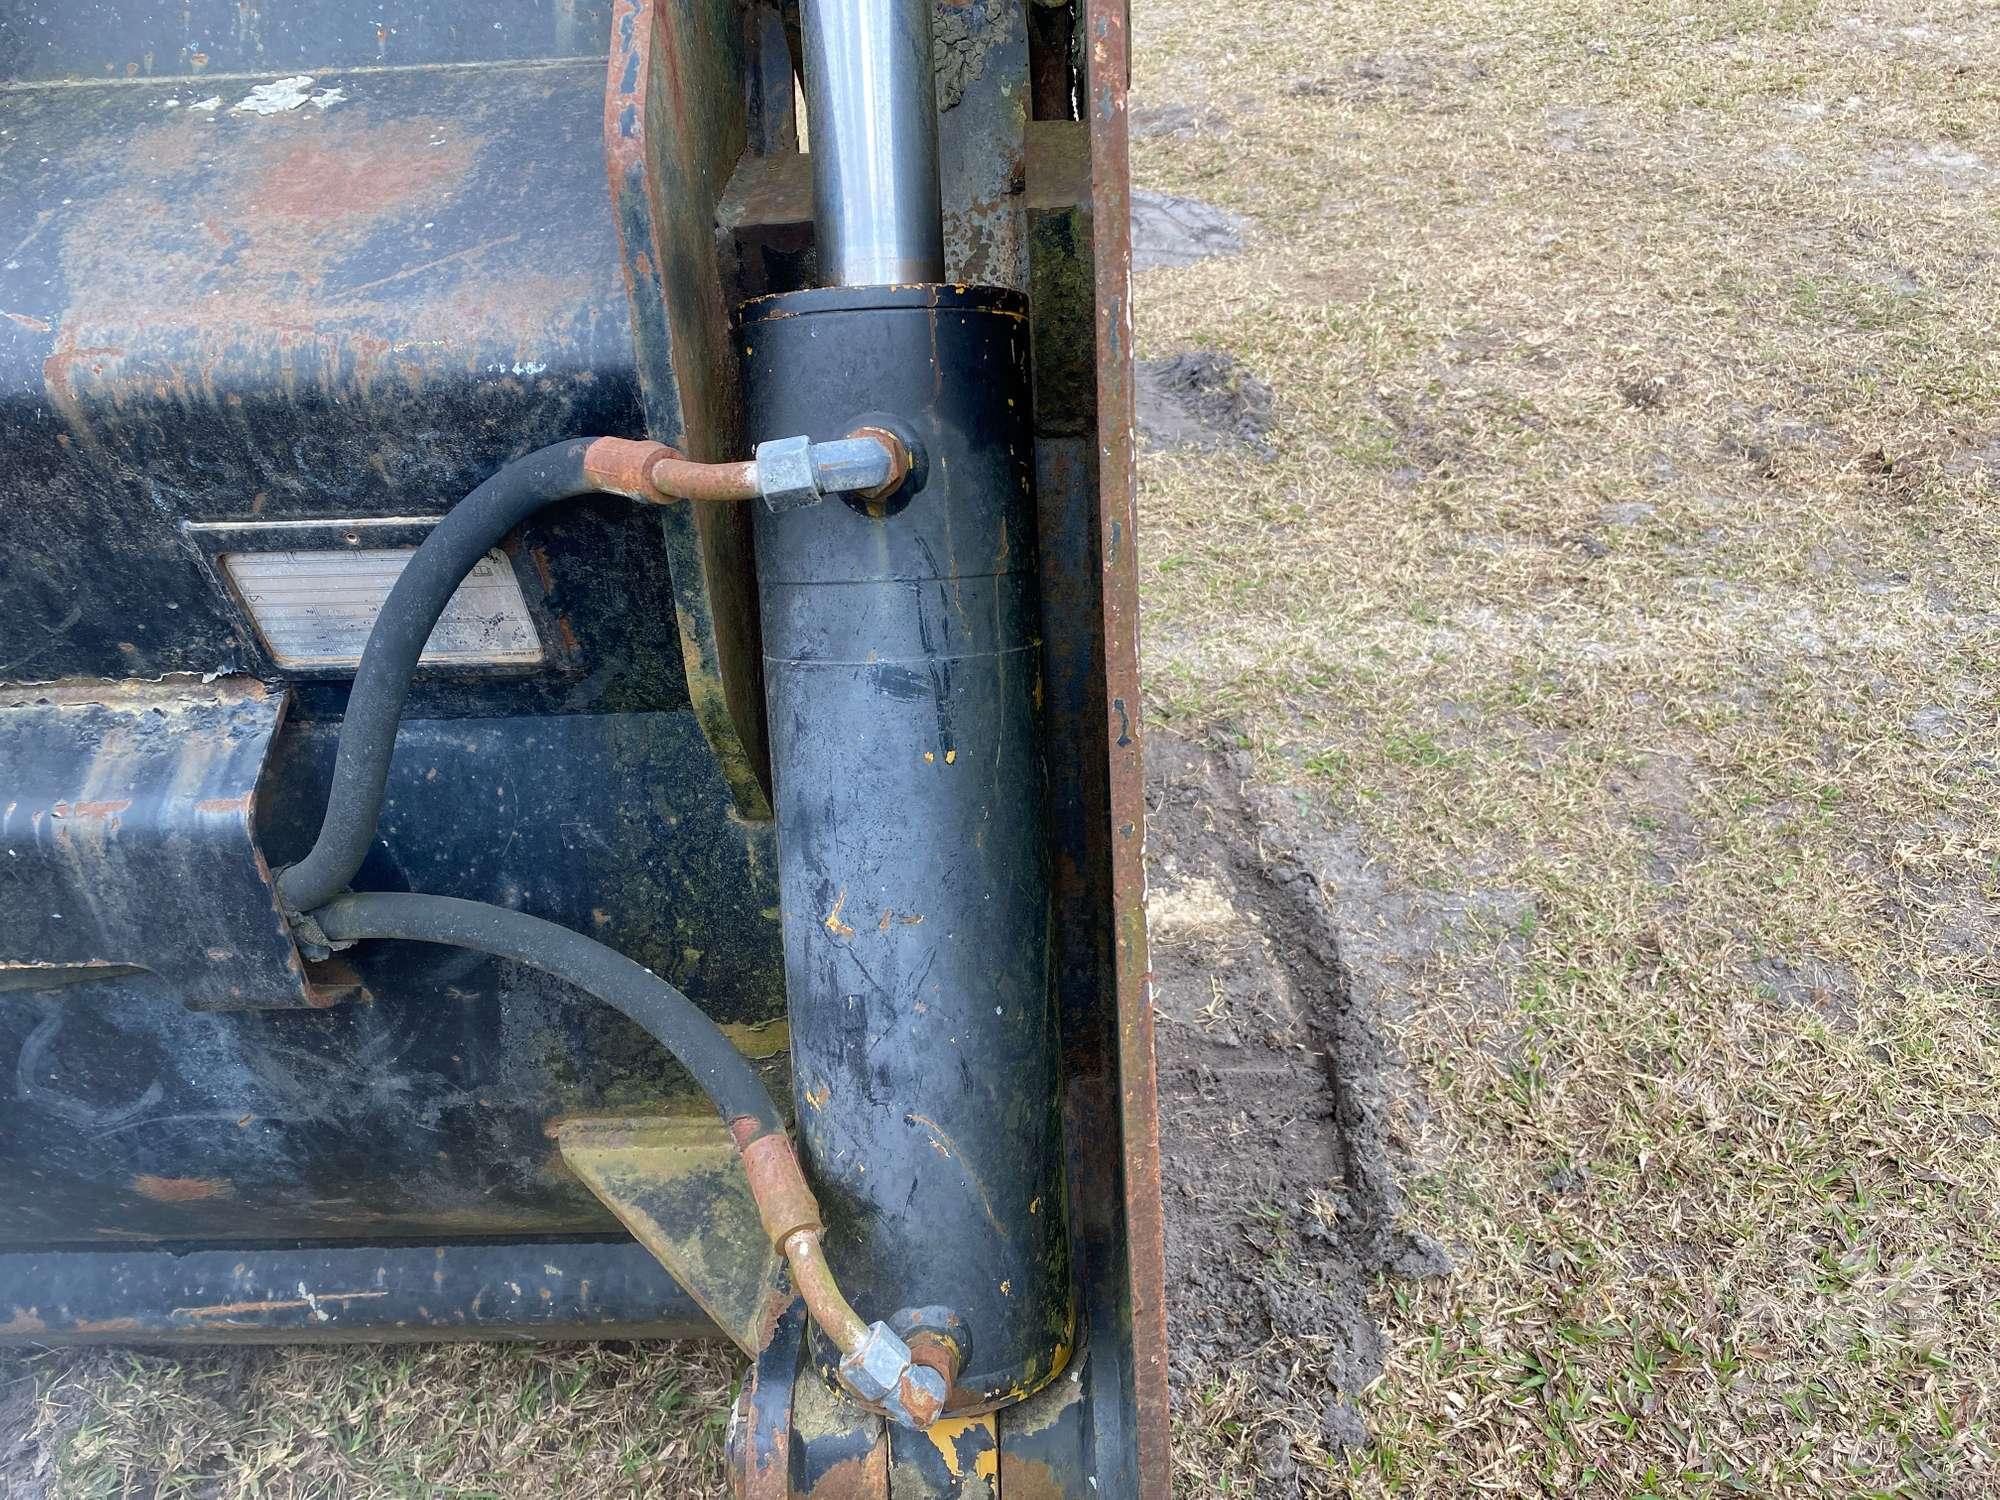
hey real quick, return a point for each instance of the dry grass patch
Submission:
(1632, 546)
(418, 1420)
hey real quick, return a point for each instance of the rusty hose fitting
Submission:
(875, 1364)
(791, 1218)
(899, 460)
(933, 1372)
(659, 475)
(678, 478)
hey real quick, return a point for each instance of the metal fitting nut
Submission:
(785, 475)
(882, 1373)
(874, 1371)
(920, 1397)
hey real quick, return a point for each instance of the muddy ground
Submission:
(1282, 1111)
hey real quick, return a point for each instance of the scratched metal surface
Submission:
(355, 311)
(425, 1112)
(511, 1289)
(126, 843)
(351, 310)
(122, 40)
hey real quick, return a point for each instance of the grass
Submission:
(465, 1421)
(1633, 551)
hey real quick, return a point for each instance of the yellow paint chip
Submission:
(833, 923)
(950, 756)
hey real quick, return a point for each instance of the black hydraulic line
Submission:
(667, 1015)
(470, 530)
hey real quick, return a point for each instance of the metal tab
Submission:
(677, 1185)
(125, 820)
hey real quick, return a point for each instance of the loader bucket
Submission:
(569, 717)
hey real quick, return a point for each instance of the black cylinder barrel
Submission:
(901, 661)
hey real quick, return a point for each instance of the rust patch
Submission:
(340, 176)
(621, 466)
(313, 1301)
(863, 1477)
(109, 807)
(24, 1320)
(1028, 1479)
(191, 259)
(182, 1189)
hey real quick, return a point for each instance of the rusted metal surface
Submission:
(624, 466)
(656, 474)
(1108, 74)
(955, 1459)
(764, 219)
(359, 311)
(839, 1451)
(792, 1223)
(784, 1203)
(676, 1184)
(1046, 1443)
(1051, 39)
(937, 1350)
(981, 52)
(899, 461)
(922, 1390)
(125, 820)
(683, 478)
(674, 125)
(805, 1258)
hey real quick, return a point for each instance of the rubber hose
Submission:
(672, 1019)
(470, 530)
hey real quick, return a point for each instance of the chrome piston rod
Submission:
(871, 109)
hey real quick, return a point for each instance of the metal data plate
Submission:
(315, 608)
(126, 843)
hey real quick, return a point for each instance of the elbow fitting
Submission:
(795, 472)
(786, 474)
(876, 1365)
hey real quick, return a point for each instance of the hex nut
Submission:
(920, 1397)
(785, 474)
(875, 1370)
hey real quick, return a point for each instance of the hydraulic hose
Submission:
(645, 471)
(667, 1015)
(876, 1364)
(790, 1215)
(470, 530)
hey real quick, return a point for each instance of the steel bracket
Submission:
(127, 842)
(676, 1184)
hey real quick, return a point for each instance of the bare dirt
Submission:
(1203, 399)
(1168, 230)
(25, 1465)
(1279, 1103)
